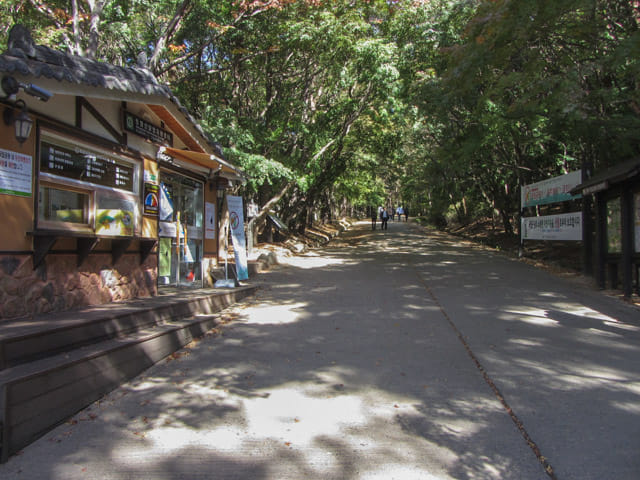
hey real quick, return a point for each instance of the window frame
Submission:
(92, 190)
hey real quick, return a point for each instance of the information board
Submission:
(86, 166)
(565, 226)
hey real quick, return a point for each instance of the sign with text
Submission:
(236, 221)
(552, 190)
(148, 130)
(15, 173)
(565, 226)
(151, 199)
(86, 166)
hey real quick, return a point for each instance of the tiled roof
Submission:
(38, 61)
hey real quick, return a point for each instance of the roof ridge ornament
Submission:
(20, 39)
(142, 61)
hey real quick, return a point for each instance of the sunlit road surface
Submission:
(388, 355)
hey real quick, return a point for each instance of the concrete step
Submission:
(37, 395)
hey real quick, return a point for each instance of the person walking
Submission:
(406, 214)
(384, 218)
(374, 216)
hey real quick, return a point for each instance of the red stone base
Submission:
(59, 284)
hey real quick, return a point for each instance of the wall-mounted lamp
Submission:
(22, 122)
(9, 87)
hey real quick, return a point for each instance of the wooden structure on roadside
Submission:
(616, 193)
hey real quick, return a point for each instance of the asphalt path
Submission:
(396, 354)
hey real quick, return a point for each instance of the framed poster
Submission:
(614, 226)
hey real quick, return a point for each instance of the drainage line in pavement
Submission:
(541, 458)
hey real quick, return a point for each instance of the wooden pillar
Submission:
(587, 236)
(587, 224)
(601, 238)
(626, 210)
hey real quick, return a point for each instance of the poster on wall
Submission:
(151, 199)
(614, 226)
(15, 173)
(114, 222)
(236, 221)
(210, 220)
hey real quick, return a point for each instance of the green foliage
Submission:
(445, 106)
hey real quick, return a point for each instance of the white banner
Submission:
(236, 220)
(15, 173)
(566, 226)
(551, 190)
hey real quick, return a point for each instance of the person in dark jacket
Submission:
(384, 218)
(374, 216)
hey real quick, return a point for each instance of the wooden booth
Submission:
(109, 188)
(616, 193)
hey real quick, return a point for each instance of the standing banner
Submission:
(236, 221)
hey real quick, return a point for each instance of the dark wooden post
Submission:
(587, 225)
(601, 239)
(626, 210)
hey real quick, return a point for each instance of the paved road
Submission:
(389, 355)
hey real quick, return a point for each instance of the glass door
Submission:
(180, 231)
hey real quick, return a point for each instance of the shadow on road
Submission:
(344, 367)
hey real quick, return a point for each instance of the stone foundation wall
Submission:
(58, 284)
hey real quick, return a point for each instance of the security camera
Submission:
(9, 86)
(38, 92)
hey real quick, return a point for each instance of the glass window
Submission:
(63, 206)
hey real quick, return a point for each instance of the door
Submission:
(180, 231)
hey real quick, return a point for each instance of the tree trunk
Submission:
(172, 27)
(94, 27)
(258, 220)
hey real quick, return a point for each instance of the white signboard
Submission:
(236, 221)
(551, 190)
(566, 226)
(210, 220)
(15, 173)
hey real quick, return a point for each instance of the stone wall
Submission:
(59, 284)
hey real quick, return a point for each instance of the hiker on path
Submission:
(374, 216)
(384, 218)
(406, 214)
